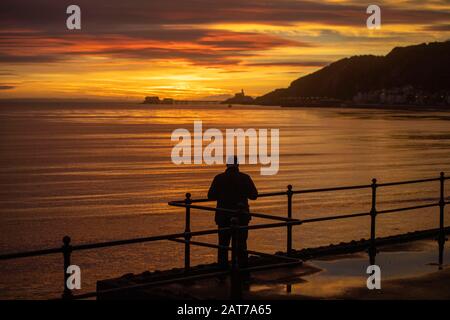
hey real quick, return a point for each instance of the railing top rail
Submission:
(33, 253)
(272, 194)
(230, 211)
(97, 245)
(328, 189)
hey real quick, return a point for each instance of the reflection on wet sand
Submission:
(408, 271)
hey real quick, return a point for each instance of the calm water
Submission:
(100, 172)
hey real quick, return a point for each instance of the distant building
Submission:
(407, 95)
(240, 94)
(152, 100)
(156, 100)
(240, 98)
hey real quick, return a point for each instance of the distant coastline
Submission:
(373, 106)
(155, 100)
(387, 82)
(417, 75)
(240, 98)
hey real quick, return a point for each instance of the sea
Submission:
(100, 171)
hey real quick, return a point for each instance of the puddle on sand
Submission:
(343, 272)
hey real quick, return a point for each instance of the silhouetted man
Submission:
(232, 189)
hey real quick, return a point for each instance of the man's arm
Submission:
(213, 192)
(252, 191)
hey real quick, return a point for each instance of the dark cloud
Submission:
(199, 46)
(438, 27)
(6, 87)
(125, 16)
(290, 64)
(7, 73)
(35, 31)
(7, 58)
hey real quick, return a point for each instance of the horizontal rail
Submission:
(271, 225)
(342, 216)
(273, 266)
(26, 254)
(97, 245)
(363, 186)
(174, 202)
(216, 246)
(201, 244)
(272, 194)
(230, 211)
(126, 241)
(299, 222)
(352, 187)
(268, 255)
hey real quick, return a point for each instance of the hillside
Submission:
(423, 68)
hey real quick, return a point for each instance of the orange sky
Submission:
(194, 49)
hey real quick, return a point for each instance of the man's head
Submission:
(232, 162)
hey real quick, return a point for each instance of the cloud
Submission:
(438, 27)
(290, 64)
(114, 15)
(177, 29)
(6, 73)
(6, 87)
(199, 46)
(121, 39)
(7, 58)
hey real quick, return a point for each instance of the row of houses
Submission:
(156, 100)
(407, 95)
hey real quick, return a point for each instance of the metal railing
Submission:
(289, 222)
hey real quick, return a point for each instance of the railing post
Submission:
(187, 236)
(373, 214)
(289, 215)
(441, 237)
(67, 251)
(236, 285)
